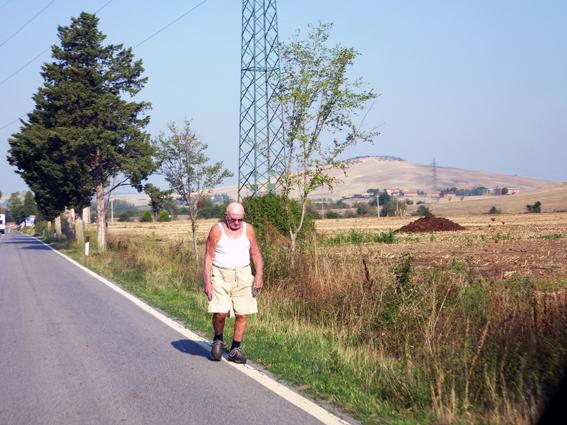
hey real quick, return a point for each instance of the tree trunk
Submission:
(293, 239)
(70, 223)
(79, 230)
(194, 232)
(57, 225)
(100, 219)
(87, 215)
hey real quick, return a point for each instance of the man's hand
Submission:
(258, 282)
(208, 290)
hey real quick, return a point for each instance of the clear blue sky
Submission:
(474, 84)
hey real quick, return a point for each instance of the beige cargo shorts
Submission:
(232, 291)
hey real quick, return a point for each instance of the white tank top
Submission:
(232, 253)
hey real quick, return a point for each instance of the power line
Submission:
(98, 10)
(170, 24)
(27, 23)
(103, 6)
(10, 123)
(17, 71)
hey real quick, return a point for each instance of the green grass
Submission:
(354, 236)
(548, 237)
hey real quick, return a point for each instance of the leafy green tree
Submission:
(16, 207)
(320, 104)
(208, 209)
(394, 207)
(83, 138)
(159, 199)
(383, 197)
(184, 164)
(29, 207)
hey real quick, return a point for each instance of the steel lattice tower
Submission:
(261, 151)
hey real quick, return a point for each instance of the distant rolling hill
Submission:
(389, 172)
(386, 172)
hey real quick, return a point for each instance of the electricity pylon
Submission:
(261, 148)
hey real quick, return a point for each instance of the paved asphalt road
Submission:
(73, 351)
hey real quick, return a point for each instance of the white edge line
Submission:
(286, 393)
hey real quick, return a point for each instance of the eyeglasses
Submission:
(236, 220)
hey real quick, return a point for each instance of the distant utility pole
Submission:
(434, 172)
(261, 145)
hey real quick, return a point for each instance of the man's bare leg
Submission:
(218, 323)
(240, 327)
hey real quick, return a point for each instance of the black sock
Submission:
(218, 337)
(235, 344)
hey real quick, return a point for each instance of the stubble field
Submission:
(499, 246)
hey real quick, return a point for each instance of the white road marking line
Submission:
(286, 393)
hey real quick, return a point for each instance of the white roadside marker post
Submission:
(87, 245)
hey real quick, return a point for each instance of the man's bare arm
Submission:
(214, 236)
(256, 257)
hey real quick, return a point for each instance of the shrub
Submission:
(332, 214)
(422, 210)
(494, 210)
(146, 217)
(362, 209)
(535, 208)
(270, 211)
(125, 216)
(164, 216)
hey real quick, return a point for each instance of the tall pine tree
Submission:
(83, 137)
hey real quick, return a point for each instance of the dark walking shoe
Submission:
(236, 356)
(216, 350)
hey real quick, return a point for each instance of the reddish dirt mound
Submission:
(430, 223)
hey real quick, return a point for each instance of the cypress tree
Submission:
(83, 138)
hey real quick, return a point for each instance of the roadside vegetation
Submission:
(388, 341)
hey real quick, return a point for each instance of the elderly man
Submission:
(228, 280)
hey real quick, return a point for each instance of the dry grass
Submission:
(469, 325)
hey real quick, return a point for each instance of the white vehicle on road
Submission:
(2, 223)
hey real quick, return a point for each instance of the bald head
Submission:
(234, 215)
(234, 209)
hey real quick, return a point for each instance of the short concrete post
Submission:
(87, 245)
